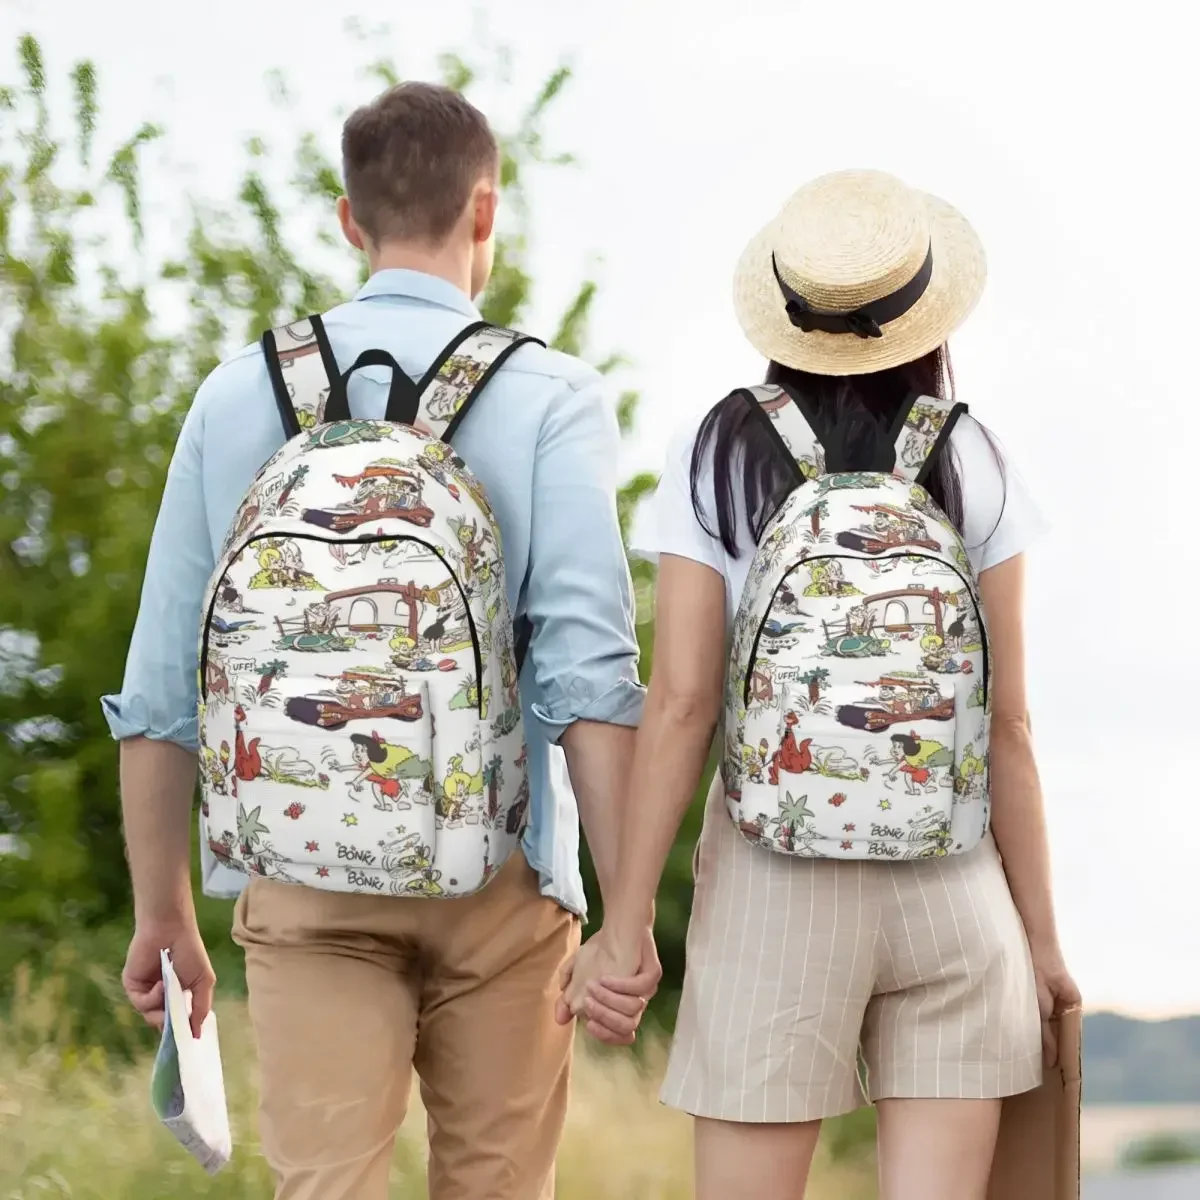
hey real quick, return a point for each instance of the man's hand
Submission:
(142, 977)
(610, 988)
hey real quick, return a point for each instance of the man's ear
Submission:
(486, 200)
(350, 229)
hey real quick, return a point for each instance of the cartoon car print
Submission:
(360, 696)
(866, 716)
(328, 712)
(345, 519)
(890, 527)
(900, 698)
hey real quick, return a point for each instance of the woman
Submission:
(939, 967)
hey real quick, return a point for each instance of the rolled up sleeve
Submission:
(579, 596)
(159, 695)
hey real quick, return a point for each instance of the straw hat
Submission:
(858, 273)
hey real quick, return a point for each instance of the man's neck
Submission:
(449, 263)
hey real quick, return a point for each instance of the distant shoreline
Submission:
(1107, 1129)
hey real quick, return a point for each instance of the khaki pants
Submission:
(349, 992)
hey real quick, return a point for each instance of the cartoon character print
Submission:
(971, 778)
(386, 489)
(217, 768)
(827, 577)
(478, 546)
(856, 638)
(458, 790)
(929, 834)
(922, 427)
(937, 655)
(281, 565)
(231, 621)
(436, 459)
(900, 696)
(756, 760)
(456, 380)
(364, 694)
(918, 760)
(385, 768)
(316, 632)
(889, 527)
(409, 865)
(270, 496)
(772, 551)
(468, 697)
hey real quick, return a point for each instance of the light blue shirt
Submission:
(543, 440)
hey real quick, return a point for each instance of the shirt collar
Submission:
(416, 285)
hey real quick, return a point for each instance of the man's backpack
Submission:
(360, 720)
(857, 706)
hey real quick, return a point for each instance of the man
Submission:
(348, 992)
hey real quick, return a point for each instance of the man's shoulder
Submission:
(534, 361)
(551, 373)
(229, 380)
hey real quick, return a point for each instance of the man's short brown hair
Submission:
(411, 158)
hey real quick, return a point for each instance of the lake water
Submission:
(1167, 1183)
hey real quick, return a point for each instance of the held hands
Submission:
(608, 987)
(142, 977)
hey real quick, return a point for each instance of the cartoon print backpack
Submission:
(857, 705)
(360, 720)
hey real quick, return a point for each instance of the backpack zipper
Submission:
(308, 537)
(873, 558)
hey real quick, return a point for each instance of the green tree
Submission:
(92, 392)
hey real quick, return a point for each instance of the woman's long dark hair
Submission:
(857, 413)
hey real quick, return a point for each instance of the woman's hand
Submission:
(609, 986)
(1056, 993)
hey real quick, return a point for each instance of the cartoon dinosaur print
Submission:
(791, 757)
(247, 762)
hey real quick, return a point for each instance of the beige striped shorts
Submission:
(813, 985)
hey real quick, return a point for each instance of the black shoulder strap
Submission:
(454, 381)
(921, 430)
(304, 375)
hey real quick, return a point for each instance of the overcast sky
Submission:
(1068, 139)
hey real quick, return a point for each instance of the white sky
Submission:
(1068, 138)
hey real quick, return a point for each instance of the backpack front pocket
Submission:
(314, 785)
(848, 774)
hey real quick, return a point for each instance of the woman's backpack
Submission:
(857, 704)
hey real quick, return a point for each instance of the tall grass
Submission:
(77, 1123)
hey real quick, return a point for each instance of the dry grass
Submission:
(74, 1125)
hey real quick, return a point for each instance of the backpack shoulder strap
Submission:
(455, 380)
(921, 431)
(782, 415)
(304, 375)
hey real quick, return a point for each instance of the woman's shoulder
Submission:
(1000, 516)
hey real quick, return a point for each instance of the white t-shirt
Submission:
(999, 516)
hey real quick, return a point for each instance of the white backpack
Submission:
(360, 723)
(857, 705)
